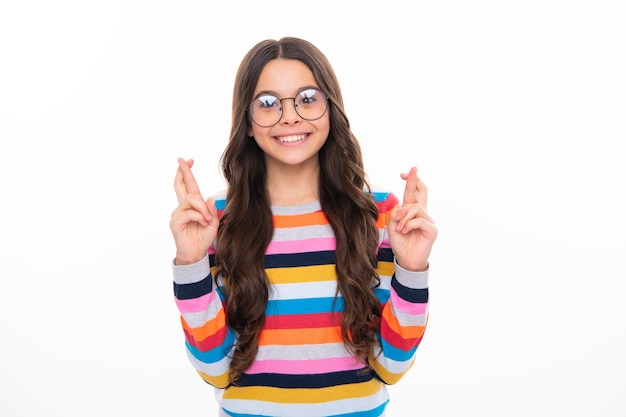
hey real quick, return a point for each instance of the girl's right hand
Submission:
(194, 222)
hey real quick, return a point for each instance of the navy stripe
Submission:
(305, 381)
(300, 259)
(385, 254)
(193, 290)
(412, 295)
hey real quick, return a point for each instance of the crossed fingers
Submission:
(415, 191)
(184, 181)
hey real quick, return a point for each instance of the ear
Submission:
(250, 133)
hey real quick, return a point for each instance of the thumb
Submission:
(214, 220)
(394, 218)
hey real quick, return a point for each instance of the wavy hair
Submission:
(246, 228)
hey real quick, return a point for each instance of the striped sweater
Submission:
(302, 367)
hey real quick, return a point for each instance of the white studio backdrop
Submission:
(512, 111)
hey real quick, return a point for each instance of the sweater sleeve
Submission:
(208, 340)
(404, 299)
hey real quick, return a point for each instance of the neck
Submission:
(293, 185)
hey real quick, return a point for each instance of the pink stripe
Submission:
(195, 304)
(385, 244)
(407, 307)
(299, 246)
(304, 367)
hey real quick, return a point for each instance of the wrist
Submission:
(183, 260)
(416, 267)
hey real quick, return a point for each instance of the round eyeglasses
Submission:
(266, 110)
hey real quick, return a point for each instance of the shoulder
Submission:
(220, 201)
(384, 198)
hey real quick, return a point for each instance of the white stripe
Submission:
(392, 366)
(350, 405)
(211, 369)
(301, 290)
(302, 233)
(298, 352)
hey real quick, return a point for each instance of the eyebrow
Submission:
(275, 94)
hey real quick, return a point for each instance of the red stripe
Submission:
(210, 342)
(301, 321)
(395, 339)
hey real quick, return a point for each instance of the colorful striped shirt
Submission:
(302, 367)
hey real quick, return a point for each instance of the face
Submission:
(293, 141)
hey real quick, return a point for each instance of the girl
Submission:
(303, 291)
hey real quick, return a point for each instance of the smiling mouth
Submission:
(291, 138)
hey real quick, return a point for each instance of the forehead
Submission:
(285, 77)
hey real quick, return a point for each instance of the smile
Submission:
(291, 138)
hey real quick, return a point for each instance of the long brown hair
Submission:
(246, 228)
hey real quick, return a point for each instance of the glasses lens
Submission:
(310, 104)
(266, 110)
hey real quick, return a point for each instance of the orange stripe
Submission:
(383, 217)
(208, 329)
(380, 221)
(301, 336)
(310, 219)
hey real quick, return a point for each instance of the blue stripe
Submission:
(304, 306)
(382, 294)
(376, 412)
(220, 204)
(396, 354)
(380, 196)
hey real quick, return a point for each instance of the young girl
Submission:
(303, 291)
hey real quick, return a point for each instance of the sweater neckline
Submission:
(310, 207)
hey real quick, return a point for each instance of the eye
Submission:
(308, 96)
(266, 102)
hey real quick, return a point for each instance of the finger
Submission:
(179, 185)
(409, 188)
(415, 190)
(195, 202)
(408, 213)
(421, 192)
(212, 209)
(424, 225)
(188, 180)
(183, 217)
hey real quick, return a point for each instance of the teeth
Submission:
(293, 138)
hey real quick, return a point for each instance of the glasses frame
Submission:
(295, 107)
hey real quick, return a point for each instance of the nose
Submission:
(289, 114)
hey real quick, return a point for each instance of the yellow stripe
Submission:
(385, 268)
(220, 381)
(384, 374)
(302, 274)
(303, 395)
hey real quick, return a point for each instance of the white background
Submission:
(513, 112)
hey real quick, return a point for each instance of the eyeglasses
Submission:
(266, 110)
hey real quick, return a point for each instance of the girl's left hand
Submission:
(412, 231)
